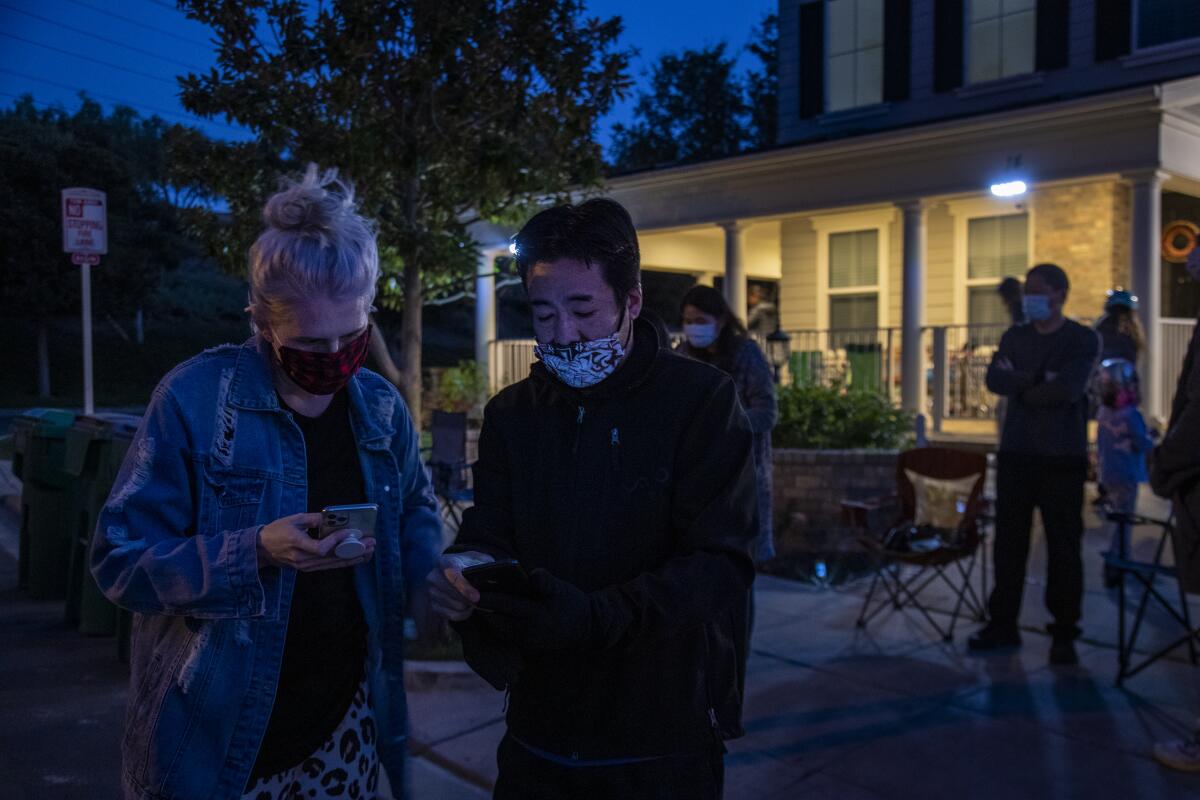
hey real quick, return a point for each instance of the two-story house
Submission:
(892, 205)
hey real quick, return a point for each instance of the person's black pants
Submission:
(1055, 487)
(525, 776)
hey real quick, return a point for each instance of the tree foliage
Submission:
(42, 152)
(441, 113)
(698, 107)
(762, 83)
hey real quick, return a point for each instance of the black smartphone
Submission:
(500, 576)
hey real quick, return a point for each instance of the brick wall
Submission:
(809, 486)
(1084, 229)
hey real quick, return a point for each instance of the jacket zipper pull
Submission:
(616, 437)
(579, 419)
(712, 718)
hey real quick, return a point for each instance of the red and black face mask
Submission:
(324, 373)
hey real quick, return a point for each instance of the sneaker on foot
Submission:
(990, 637)
(1181, 754)
(1062, 652)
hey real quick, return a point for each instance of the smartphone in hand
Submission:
(506, 577)
(359, 517)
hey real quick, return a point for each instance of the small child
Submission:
(1123, 442)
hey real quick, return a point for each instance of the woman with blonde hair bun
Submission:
(267, 656)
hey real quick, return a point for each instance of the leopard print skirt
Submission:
(346, 767)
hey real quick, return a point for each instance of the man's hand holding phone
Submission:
(450, 594)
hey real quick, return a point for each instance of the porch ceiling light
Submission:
(1009, 189)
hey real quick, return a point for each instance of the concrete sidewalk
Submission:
(894, 712)
(831, 712)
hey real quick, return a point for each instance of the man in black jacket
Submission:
(620, 476)
(1043, 368)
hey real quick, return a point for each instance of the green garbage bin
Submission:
(89, 444)
(39, 443)
(866, 366)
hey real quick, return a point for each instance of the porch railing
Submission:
(1175, 335)
(955, 363)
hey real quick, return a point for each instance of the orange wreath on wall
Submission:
(1179, 239)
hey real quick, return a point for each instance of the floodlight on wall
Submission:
(1009, 189)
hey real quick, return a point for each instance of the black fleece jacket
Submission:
(641, 492)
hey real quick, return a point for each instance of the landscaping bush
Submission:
(834, 418)
(462, 388)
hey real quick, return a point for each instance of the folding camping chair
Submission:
(1145, 573)
(448, 468)
(951, 559)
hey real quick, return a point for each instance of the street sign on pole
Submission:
(85, 237)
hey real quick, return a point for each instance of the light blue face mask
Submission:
(583, 364)
(702, 335)
(1037, 307)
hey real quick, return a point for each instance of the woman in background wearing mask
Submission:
(714, 335)
(267, 662)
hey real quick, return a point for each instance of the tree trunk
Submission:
(382, 357)
(43, 351)
(410, 339)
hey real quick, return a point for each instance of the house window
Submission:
(854, 53)
(853, 283)
(1001, 38)
(1165, 21)
(996, 248)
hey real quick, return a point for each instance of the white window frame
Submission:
(879, 220)
(825, 71)
(1134, 48)
(963, 211)
(966, 39)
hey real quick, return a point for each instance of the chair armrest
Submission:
(857, 512)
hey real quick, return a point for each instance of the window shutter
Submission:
(1114, 28)
(1053, 27)
(947, 45)
(897, 48)
(812, 59)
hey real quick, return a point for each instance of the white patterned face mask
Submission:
(583, 364)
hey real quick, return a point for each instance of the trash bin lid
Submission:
(122, 426)
(106, 424)
(45, 421)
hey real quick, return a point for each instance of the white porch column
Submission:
(735, 267)
(485, 304)
(1145, 280)
(913, 306)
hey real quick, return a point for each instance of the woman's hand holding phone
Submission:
(286, 542)
(450, 594)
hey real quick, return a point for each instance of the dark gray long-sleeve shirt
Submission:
(1047, 389)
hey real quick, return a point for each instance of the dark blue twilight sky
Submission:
(130, 50)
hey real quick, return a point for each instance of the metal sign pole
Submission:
(85, 237)
(85, 277)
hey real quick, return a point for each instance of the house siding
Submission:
(1081, 77)
(798, 287)
(939, 275)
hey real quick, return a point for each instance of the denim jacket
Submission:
(214, 459)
